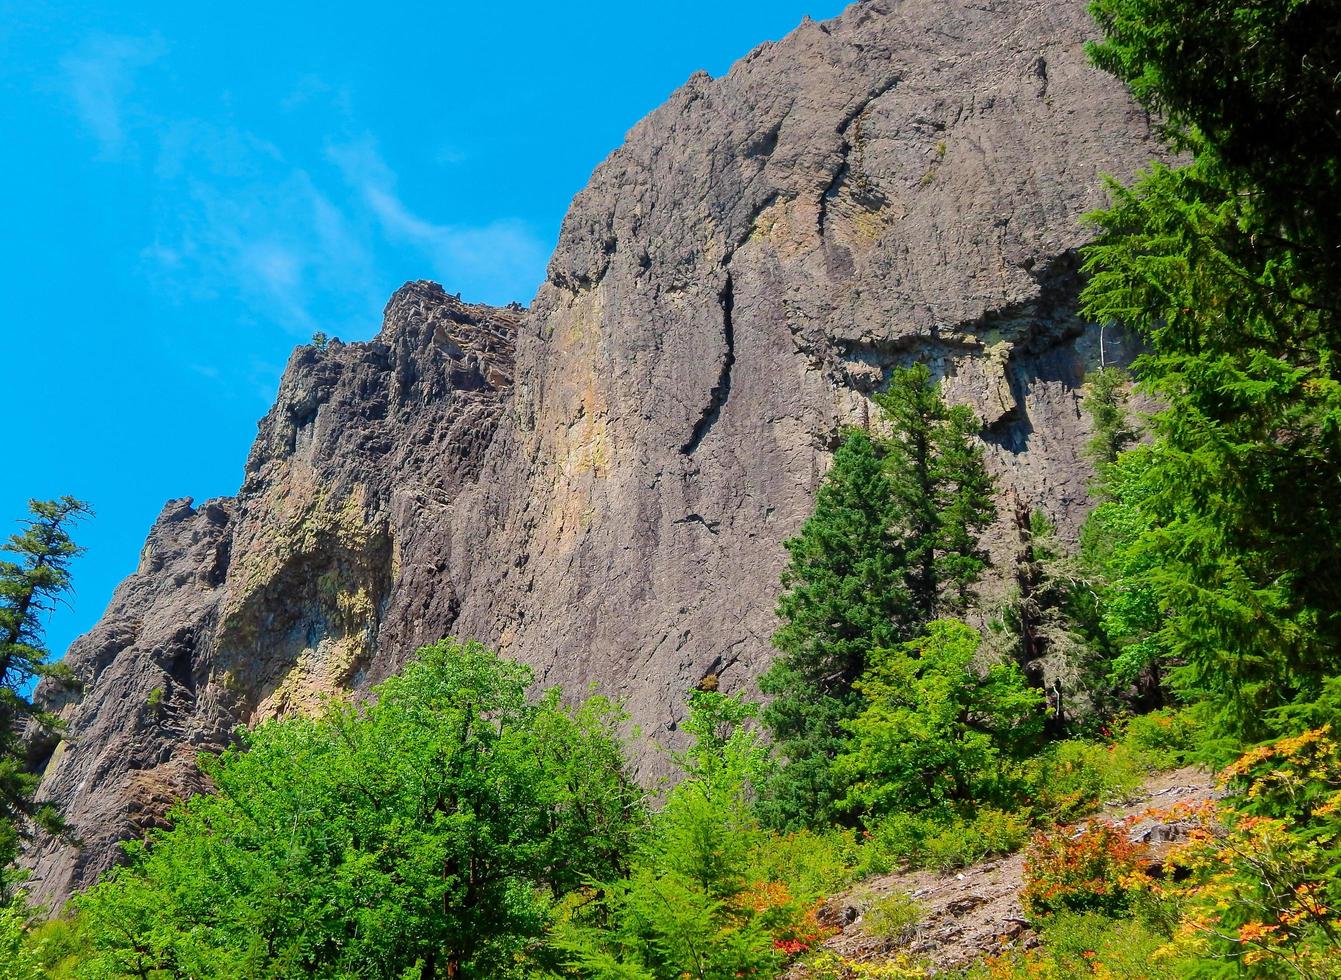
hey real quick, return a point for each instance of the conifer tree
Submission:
(1105, 402)
(845, 593)
(892, 544)
(942, 493)
(1229, 267)
(29, 586)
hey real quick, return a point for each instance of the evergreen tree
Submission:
(1105, 402)
(893, 542)
(845, 593)
(1230, 268)
(29, 587)
(935, 733)
(942, 493)
(1050, 626)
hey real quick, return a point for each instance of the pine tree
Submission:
(1227, 544)
(845, 593)
(29, 587)
(892, 544)
(1105, 402)
(934, 732)
(942, 493)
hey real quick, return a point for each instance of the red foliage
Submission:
(1092, 870)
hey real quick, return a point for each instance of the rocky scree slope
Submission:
(608, 503)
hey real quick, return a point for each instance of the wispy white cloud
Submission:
(275, 240)
(300, 237)
(99, 78)
(500, 255)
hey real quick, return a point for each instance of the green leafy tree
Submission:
(935, 733)
(18, 961)
(1230, 546)
(690, 906)
(424, 833)
(30, 586)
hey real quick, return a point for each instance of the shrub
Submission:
(1167, 737)
(831, 966)
(1258, 886)
(961, 844)
(1074, 778)
(893, 918)
(897, 840)
(941, 841)
(1085, 945)
(18, 961)
(813, 864)
(1089, 871)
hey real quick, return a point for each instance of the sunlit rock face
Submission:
(599, 485)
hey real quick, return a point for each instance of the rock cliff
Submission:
(599, 485)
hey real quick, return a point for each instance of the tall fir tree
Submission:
(1227, 541)
(844, 593)
(1105, 401)
(942, 493)
(893, 543)
(29, 587)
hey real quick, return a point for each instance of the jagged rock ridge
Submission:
(608, 504)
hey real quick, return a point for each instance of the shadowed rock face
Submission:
(902, 183)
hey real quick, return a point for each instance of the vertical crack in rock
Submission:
(722, 390)
(402, 490)
(844, 168)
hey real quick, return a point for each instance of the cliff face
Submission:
(608, 503)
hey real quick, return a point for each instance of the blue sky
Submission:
(191, 189)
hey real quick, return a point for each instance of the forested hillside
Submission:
(465, 821)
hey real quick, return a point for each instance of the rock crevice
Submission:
(600, 485)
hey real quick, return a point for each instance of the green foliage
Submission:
(935, 732)
(843, 594)
(941, 491)
(320, 341)
(1113, 550)
(18, 959)
(425, 830)
(1222, 539)
(1106, 404)
(892, 541)
(1052, 626)
(1073, 777)
(962, 843)
(693, 902)
(29, 587)
(59, 946)
(1082, 945)
(1252, 89)
(1167, 738)
(814, 864)
(893, 918)
(941, 842)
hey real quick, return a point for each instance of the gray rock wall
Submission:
(608, 502)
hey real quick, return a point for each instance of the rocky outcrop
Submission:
(966, 915)
(608, 504)
(247, 608)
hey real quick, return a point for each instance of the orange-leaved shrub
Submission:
(1092, 870)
